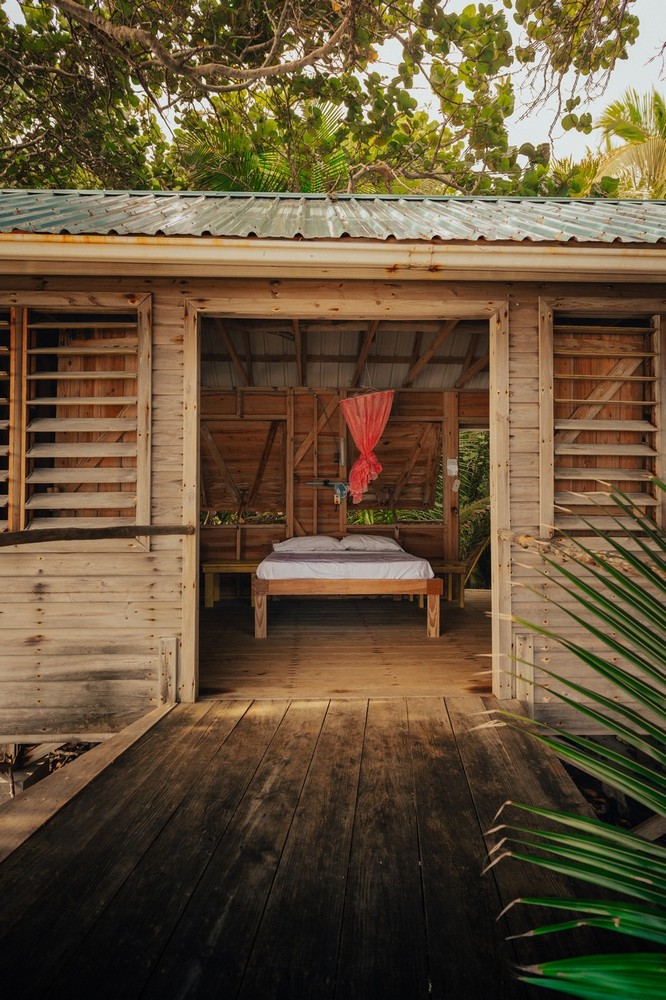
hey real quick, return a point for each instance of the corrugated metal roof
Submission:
(290, 216)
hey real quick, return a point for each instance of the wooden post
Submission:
(546, 423)
(260, 608)
(291, 466)
(168, 669)
(500, 511)
(432, 627)
(524, 669)
(450, 497)
(144, 416)
(188, 680)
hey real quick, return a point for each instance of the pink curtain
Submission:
(366, 418)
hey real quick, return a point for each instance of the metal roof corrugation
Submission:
(287, 216)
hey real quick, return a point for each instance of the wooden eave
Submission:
(26, 253)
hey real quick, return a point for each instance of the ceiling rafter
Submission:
(442, 334)
(364, 351)
(233, 353)
(473, 370)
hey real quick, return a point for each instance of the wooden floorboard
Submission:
(366, 648)
(287, 850)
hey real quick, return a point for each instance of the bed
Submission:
(354, 565)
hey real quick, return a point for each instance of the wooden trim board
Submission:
(24, 815)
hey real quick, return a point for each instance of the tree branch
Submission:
(180, 62)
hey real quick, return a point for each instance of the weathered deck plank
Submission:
(452, 857)
(384, 945)
(308, 895)
(283, 850)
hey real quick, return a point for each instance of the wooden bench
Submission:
(461, 570)
(212, 570)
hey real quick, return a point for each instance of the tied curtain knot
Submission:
(366, 417)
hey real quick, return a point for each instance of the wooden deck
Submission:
(283, 849)
(345, 648)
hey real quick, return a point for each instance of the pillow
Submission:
(369, 543)
(307, 543)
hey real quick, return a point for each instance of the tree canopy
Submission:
(316, 95)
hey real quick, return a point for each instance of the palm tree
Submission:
(293, 147)
(639, 120)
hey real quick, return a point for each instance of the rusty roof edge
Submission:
(338, 196)
(195, 256)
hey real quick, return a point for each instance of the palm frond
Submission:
(617, 598)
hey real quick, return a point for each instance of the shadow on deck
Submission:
(345, 648)
(283, 849)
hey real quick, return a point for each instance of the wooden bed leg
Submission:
(260, 616)
(209, 590)
(432, 625)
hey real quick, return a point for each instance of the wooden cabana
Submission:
(169, 355)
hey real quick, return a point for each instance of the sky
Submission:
(644, 69)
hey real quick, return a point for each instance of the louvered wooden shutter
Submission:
(605, 419)
(78, 447)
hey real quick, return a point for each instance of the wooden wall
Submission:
(89, 628)
(266, 451)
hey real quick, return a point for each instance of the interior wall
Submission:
(273, 452)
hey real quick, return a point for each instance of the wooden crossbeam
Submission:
(221, 465)
(309, 440)
(413, 459)
(364, 351)
(473, 370)
(599, 396)
(442, 334)
(263, 461)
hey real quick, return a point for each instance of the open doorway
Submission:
(273, 446)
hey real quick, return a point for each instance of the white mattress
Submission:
(392, 565)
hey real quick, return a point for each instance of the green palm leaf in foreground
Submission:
(619, 598)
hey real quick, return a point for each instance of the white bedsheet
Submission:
(337, 565)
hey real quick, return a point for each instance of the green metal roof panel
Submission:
(290, 216)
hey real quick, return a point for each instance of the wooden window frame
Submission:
(19, 305)
(593, 307)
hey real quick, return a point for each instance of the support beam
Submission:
(364, 351)
(301, 362)
(442, 334)
(233, 353)
(214, 453)
(425, 441)
(479, 365)
(309, 440)
(263, 461)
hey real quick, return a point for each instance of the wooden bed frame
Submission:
(263, 589)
